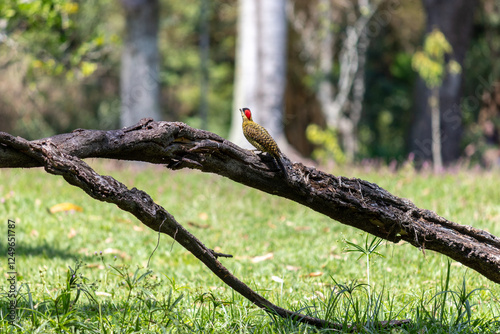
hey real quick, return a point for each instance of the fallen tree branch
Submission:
(141, 205)
(353, 202)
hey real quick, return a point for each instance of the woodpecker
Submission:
(258, 136)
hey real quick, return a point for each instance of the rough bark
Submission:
(140, 85)
(354, 202)
(351, 201)
(456, 23)
(175, 144)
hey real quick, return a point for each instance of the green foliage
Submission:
(59, 61)
(388, 101)
(430, 63)
(181, 64)
(368, 251)
(62, 59)
(436, 45)
(53, 35)
(401, 66)
(327, 142)
(481, 72)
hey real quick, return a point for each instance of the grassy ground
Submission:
(295, 257)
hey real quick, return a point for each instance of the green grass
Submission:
(117, 293)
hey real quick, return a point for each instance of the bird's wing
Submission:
(262, 140)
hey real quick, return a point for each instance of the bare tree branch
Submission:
(354, 202)
(141, 205)
(351, 201)
(48, 153)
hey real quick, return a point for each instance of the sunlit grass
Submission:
(304, 249)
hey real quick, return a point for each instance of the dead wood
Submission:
(351, 201)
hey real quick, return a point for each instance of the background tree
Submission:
(430, 65)
(456, 23)
(182, 71)
(481, 103)
(139, 79)
(204, 57)
(334, 44)
(260, 75)
(76, 47)
(55, 55)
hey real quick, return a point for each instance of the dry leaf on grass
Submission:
(261, 258)
(65, 207)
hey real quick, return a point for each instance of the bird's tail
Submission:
(282, 163)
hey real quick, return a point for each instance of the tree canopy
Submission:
(76, 47)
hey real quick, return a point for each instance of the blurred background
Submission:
(333, 80)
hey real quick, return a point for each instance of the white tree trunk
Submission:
(140, 88)
(260, 77)
(350, 134)
(436, 130)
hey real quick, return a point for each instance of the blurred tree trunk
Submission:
(341, 97)
(204, 58)
(140, 89)
(260, 77)
(455, 21)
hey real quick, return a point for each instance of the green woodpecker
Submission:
(258, 136)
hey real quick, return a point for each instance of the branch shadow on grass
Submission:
(42, 250)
